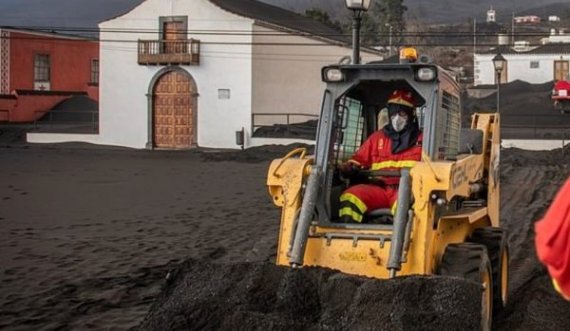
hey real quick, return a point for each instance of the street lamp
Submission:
(389, 39)
(358, 7)
(499, 63)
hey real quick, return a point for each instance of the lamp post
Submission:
(499, 63)
(358, 7)
(389, 39)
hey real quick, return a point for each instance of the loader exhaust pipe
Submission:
(400, 223)
(305, 217)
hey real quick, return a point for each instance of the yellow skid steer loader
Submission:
(447, 217)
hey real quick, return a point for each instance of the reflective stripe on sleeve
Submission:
(354, 200)
(347, 211)
(393, 164)
(394, 207)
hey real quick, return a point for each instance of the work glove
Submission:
(349, 169)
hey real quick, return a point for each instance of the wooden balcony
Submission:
(169, 52)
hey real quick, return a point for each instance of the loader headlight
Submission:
(425, 74)
(332, 75)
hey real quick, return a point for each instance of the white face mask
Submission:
(398, 123)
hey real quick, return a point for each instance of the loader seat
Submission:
(380, 216)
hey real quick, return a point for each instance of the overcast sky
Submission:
(61, 13)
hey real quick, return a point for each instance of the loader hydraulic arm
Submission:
(402, 222)
(305, 217)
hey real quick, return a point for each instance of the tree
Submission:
(376, 23)
(322, 16)
(391, 14)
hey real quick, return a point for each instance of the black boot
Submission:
(347, 219)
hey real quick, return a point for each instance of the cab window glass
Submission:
(348, 129)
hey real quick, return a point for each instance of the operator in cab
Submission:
(396, 145)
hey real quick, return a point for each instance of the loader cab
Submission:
(352, 110)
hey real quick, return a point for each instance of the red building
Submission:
(38, 70)
(533, 19)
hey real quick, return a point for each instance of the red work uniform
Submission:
(376, 154)
(553, 240)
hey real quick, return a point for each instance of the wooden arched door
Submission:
(172, 111)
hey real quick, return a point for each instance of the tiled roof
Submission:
(36, 92)
(48, 32)
(558, 48)
(263, 12)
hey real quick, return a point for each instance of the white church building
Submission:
(532, 64)
(184, 73)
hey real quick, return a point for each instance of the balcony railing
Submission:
(165, 52)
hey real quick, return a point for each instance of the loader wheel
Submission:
(470, 261)
(495, 240)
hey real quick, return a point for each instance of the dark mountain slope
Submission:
(435, 11)
(74, 13)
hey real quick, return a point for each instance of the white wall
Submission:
(284, 78)
(53, 138)
(287, 78)
(561, 38)
(534, 145)
(518, 67)
(124, 84)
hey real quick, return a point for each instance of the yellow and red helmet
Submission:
(402, 97)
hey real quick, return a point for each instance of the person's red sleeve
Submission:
(363, 156)
(553, 240)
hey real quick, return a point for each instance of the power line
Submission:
(440, 39)
(466, 42)
(454, 34)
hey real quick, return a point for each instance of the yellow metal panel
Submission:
(448, 232)
(366, 258)
(491, 127)
(285, 180)
(494, 197)
(454, 177)
(464, 172)
(428, 177)
(287, 225)
(470, 216)
(456, 228)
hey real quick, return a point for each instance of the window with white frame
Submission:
(94, 72)
(534, 64)
(42, 68)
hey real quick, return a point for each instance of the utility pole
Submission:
(513, 29)
(474, 36)
(389, 39)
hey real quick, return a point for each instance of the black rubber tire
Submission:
(495, 240)
(470, 261)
